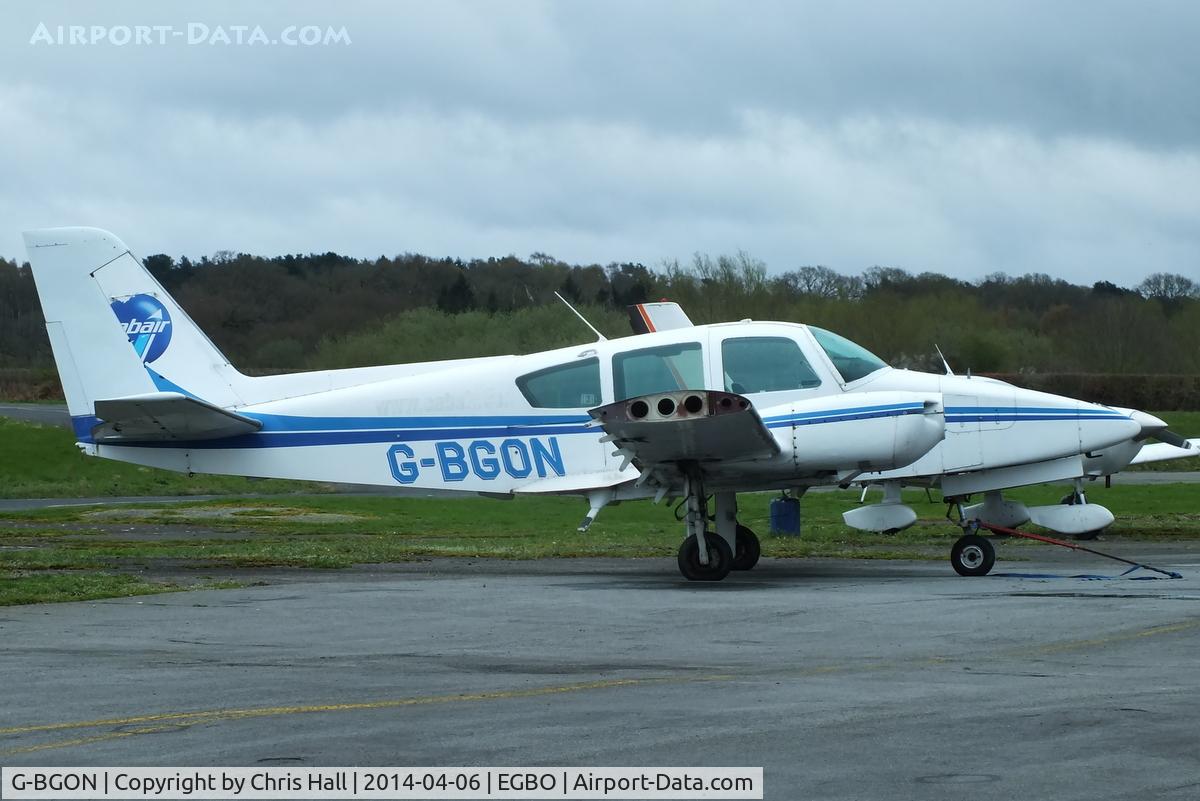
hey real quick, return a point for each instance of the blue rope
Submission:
(1170, 574)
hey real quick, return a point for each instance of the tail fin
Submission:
(646, 318)
(114, 330)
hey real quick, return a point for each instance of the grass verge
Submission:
(340, 531)
(43, 462)
(79, 553)
(32, 588)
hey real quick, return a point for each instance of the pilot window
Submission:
(765, 364)
(853, 361)
(663, 369)
(567, 386)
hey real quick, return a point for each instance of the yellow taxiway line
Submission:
(173, 721)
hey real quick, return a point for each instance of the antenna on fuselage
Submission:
(945, 363)
(599, 337)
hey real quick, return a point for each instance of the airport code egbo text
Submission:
(457, 460)
(381, 782)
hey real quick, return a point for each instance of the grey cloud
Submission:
(964, 138)
(1117, 70)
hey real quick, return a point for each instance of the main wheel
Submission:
(1073, 499)
(972, 555)
(745, 555)
(720, 559)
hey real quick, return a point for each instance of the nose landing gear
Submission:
(972, 555)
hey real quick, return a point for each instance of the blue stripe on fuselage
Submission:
(997, 418)
(282, 431)
(840, 415)
(284, 422)
(83, 425)
(907, 407)
(1006, 414)
(299, 439)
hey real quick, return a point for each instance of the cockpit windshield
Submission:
(851, 360)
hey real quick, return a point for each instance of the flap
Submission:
(166, 416)
(690, 425)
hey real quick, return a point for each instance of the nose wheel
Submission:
(972, 555)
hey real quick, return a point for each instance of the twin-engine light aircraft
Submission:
(677, 411)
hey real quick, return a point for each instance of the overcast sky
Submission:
(959, 137)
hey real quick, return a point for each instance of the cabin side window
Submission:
(662, 369)
(565, 386)
(765, 364)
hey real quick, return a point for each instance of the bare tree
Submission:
(1169, 286)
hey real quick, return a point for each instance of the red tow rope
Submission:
(1074, 546)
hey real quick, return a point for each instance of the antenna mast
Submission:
(599, 337)
(945, 363)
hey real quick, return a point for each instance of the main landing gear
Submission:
(721, 560)
(731, 547)
(747, 549)
(716, 563)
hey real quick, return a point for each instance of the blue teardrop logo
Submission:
(147, 323)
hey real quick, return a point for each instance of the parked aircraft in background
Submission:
(675, 411)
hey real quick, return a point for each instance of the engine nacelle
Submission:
(864, 430)
(1112, 459)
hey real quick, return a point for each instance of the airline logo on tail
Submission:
(146, 322)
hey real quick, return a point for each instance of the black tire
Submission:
(720, 559)
(745, 555)
(972, 555)
(1071, 499)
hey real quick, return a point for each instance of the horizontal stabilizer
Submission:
(692, 425)
(166, 417)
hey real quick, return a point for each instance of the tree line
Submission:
(327, 310)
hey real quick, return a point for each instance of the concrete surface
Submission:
(49, 414)
(26, 504)
(845, 680)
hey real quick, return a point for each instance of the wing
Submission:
(166, 416)
(691, 425)
(1161, 452)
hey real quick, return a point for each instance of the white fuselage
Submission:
(468, 426)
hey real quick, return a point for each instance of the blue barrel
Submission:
(785, 517)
